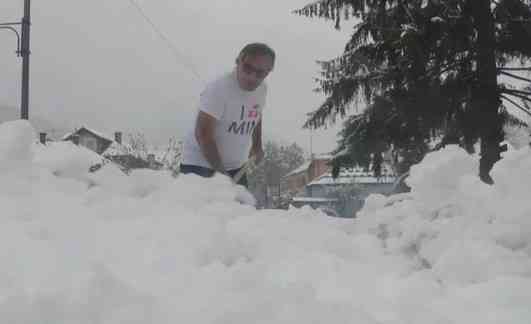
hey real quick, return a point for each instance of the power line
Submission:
(178, 55)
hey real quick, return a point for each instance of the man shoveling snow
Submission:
(228, 127)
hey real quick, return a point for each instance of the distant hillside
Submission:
(53, 129)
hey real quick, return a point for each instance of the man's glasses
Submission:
(249, 69)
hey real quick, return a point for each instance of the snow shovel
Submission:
(237, 177)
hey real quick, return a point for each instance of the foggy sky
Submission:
(98, 63)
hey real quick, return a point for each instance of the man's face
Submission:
(252, 70)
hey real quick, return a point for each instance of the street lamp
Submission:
(23, 50)
(9, 26)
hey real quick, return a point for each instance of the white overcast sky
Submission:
(98, 63)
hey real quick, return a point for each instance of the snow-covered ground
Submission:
(91, 248)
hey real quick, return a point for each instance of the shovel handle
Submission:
(237, 177)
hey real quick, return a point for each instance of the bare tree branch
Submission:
(517, 105)
(515, 76)
(518, 93)
(514, 69)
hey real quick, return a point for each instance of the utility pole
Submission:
(23, 50)
(311, 138)
(311, 144)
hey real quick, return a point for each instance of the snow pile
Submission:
(81, 247)
(474, 239)
(16, 139)
(65, 159)
(518, 136)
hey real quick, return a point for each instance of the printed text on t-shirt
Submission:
(245, 126)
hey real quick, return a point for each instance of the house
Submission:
(297, 178)
(300, 177)
(91, 139)
(352, 176)
(293, 183)
(113, 149)
(346, 193)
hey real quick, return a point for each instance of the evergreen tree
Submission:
(425, 69)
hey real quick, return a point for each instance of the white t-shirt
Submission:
(237, 113)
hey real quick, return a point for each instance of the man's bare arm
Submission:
(256, 148)
(204, 133)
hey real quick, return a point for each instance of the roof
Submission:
(329, 180)
(324, 156)
(97, 133)
(355, 175)
(308, 163)
(300, 169)
(312, 199)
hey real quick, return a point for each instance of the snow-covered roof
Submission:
(300, 169)
(312, 199)
(307, 164)
(355, 175)
(324, 156)
(329, 180)
(97, 133)
(66, 136)
(66, 157)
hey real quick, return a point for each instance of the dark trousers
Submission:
(207, 173)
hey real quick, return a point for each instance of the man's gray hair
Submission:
(256, 49)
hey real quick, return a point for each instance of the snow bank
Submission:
(16, 139)
(474, 239)
(517, 136)
(80, 247)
